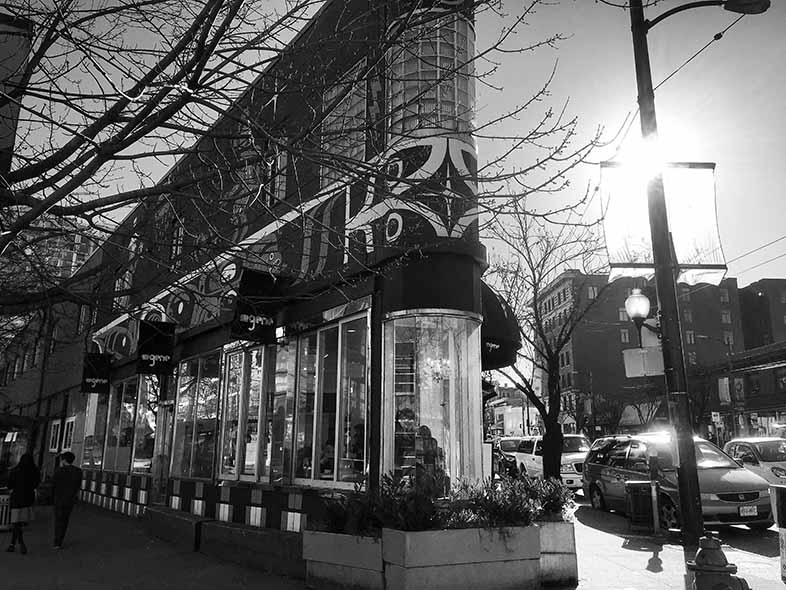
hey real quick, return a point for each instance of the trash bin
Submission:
(5, 509)
(639, 505)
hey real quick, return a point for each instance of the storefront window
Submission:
(95, 427)
(306, 396)
(145, 431)
(432, 423)
(195, 422)
(120, 427)
(331, 403)
(282, 411)
(241, 443)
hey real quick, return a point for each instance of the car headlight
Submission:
(779, 472)
(708, 497)
(765, 492)
(566, 468)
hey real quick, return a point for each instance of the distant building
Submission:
(595, 390)
(763, 306)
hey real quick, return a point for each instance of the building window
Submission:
(567, 357)
(431, 80)
(68, 433)
(85, 315)
(687, 315)
(728, 338)
(54, 436)
(343, 127)
(331, 404)
(122, 290)
(685, 294)
(195, 418)
(725, 316)
(692, 357)
(690, 337)
(245, 435)
(145, 429)
(622, 315)
(780, 379)
(430, 418)
(120, 426)
(95, 430)
(592, 292)
(724, 295)
(176, 245)
(624, 336)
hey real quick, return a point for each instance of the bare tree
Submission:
(160, 107)
(537, 252)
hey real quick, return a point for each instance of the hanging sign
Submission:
(156, 347)
(95, 373)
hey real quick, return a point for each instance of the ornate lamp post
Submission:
(666, 266)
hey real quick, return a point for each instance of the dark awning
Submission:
(499, 334)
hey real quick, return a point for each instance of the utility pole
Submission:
(666, 271)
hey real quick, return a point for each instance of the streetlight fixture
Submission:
(637, 306)
(666, 266)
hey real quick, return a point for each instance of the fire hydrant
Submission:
(712, 570)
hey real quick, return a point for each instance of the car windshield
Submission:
(711, 457)
(575, 444)
(772, 450)
(509, 446)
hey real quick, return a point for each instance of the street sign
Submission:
(716, 417)
(643, 362)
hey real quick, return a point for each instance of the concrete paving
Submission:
(610, 557)
(106, 550)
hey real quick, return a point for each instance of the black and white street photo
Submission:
(392, 294)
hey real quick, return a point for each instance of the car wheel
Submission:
(669, 516)
(759, 527)
(596, 498)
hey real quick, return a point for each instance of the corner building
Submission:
(342, 335)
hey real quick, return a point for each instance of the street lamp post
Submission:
(666, 268)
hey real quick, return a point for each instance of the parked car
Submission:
(729, 493)
(528, 453)
(765, 456)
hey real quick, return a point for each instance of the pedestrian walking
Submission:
(66, 482)
(23, 481)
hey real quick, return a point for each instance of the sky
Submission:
(725, 106)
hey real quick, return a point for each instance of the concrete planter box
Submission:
(558, 564)
(493, 559)
(343, 561)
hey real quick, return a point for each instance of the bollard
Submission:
(778, 501)
(712, 570)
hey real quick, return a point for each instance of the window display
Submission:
(331, 406)
(244, 447)
(432, 428)
(95, 428)
(196, 417)
(120, 426)
(145, 431)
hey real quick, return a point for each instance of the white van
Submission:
(528, 451)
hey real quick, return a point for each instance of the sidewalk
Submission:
(611, 558)
(105, 550)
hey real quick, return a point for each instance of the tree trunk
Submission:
(552, 449)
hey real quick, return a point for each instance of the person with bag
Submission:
(67, 482)
(23, 481)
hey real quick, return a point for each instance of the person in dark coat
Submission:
(23, 481)
(67, 482)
